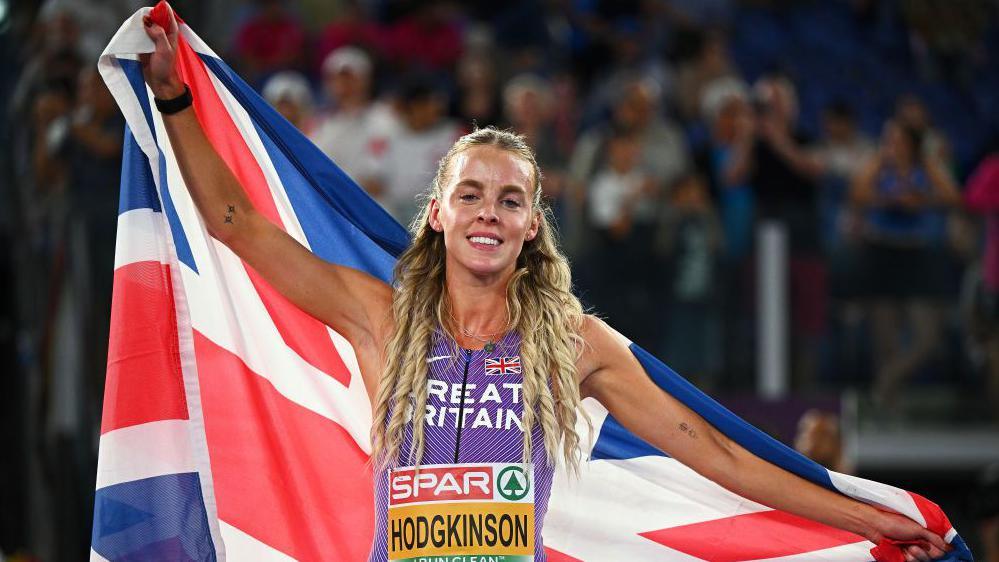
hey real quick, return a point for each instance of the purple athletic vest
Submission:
(485, 427)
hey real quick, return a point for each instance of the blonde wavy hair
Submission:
(541, 308)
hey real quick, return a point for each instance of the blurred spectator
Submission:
(633, 60)
(946, 36)
(270, 41)
(982, 196)
(80, 145)
(622, 194)
(725, 108)
(709, 63)
(843, 149)
(77, 160)
(528, 104)
(663, 151)
(409, 162)
(622, 211)
(356, 131)
(51, 108)
(611, 39)
(477, 102)
(289, 93)
(690, 240)
(82, 286)
(93, 154)
(841, 152)
(52, 59)
(911, 112)
(565, 111)
(783, 171)
(783, 179)
(621, 226)
(819, 438)
(900, 192)
(429, 38)
(86, 142)
(352, 27)
(522, 33)
(95, 22)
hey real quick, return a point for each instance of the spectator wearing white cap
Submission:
(289, 93)
(356, 131)
(424, 136)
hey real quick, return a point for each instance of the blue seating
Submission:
(830, 56)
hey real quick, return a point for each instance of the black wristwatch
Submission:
(174, 105)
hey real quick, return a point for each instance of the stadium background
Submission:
(720, 152)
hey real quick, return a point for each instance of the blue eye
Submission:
(467, 197)
(511, 203)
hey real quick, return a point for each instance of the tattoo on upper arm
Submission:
(229, 212)
(688, 430)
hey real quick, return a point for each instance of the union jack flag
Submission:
(503, 366)
(236, 427)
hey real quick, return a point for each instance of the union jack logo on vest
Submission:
(503, 366)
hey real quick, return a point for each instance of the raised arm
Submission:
(739, 164)
(353, 303)
(610, 373)
(945, 191)
(862, 191)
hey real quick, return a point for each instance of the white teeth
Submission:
(484, 240)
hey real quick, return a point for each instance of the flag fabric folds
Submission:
(235, 426)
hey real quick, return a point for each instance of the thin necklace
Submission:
(490, 341)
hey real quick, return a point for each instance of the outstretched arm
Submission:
(945, 192)
(353, 303)
(610, 373)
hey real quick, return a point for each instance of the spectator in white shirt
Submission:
(843, 150)
(619, 196)
(410, 160)
(622, 212)
(356, 132)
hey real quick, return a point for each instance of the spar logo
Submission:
(435, 484)
(513, 483)
(465, 513)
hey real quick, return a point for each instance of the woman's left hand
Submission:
(900, 528)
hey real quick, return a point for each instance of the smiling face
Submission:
(486, 211)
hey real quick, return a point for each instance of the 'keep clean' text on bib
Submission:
(480, 512)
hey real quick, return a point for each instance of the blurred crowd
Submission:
(668, 131)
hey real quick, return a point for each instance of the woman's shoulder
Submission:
(602, 346)
(595, 331)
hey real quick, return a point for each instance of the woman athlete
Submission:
(482, 298)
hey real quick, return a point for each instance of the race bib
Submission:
(461, 513)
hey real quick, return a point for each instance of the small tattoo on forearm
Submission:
(229, 213)
(688, 430)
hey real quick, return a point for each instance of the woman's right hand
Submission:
(160, 67)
